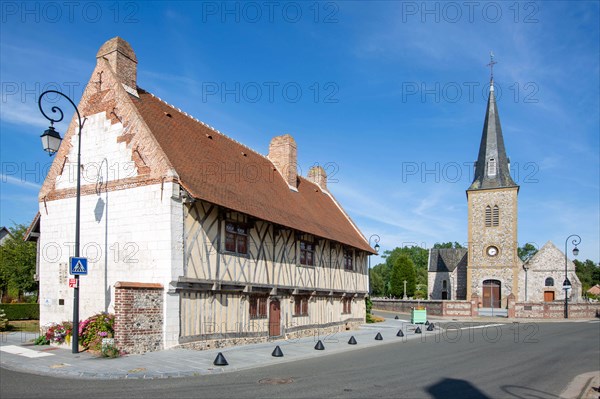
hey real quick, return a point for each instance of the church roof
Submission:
(491, 167)
(220, 170)
(447, 259)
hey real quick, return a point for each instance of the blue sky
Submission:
(388, 96)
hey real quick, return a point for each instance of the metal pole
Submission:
(55, 109)
(576, 241)
(376, 239)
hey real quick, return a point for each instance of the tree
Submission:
(377, 285)
(447, 245)
(526, 252)
(17, 263)
(403, 270)
(588, 273)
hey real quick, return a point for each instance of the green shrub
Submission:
(3, 320)
(41, 340)
(22, 311)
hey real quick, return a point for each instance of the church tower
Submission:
(493, 264)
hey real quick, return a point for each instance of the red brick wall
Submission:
(138, 317)
(434, 308)
(556, 310)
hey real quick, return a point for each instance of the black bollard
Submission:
(396, 317)
(430, 327)
(220, 360)
(400, 334)
(319, 346)
(352, 341)
(427, 323)
(418, 330)
(277, 352)
(378, 337)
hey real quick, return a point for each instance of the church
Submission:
(192, 238)
(490, 269)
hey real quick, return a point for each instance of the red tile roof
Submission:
(215, 168)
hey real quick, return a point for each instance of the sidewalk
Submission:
(19, 354)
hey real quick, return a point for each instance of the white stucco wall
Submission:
(132, 234)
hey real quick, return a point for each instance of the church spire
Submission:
(492, 166)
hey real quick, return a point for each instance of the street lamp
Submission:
(567, 284)
(375, 239)
(51, 141)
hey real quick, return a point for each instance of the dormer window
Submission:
(491, 170)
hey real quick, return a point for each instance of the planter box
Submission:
(418, 316)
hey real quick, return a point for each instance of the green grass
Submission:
(24, 325)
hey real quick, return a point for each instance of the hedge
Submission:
(21, 311)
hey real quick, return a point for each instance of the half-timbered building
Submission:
(192, 238)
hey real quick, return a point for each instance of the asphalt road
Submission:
(506, 361)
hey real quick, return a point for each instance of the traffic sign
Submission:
(73, 283)
(78, 266)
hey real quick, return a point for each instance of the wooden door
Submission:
(491, 294)
(548, 296)
(274, 318)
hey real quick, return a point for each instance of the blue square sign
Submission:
(78, 266)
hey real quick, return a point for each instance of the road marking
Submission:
(18, 350)
(475, 327)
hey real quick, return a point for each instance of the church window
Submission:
(444, 285)
(488, 216)
(491, 167)
(495, 216)
(258, 307)
(307, 253)
(236, 238)
(301, 305)
(549, 282)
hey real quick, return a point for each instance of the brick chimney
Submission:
(122, 59)
(317, 175)
(283, 154)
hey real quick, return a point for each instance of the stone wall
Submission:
(434, 308)
(323, 333)
(138, 317)
(556, 310)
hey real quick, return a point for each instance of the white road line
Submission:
(19, 350)
(475, 327)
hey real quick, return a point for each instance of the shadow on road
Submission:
(452, 388)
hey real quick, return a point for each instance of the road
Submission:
(505, 361)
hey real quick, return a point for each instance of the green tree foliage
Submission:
(419, 257)
(588, 273)
(526, 252)
(447, 245)
(403, 269)
(377, 285)
(17, 263)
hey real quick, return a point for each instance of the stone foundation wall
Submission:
(556, 310)
(324, 334)
(434, 308)
(138, 317)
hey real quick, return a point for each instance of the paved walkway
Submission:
(19, 354)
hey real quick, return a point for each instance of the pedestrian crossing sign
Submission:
(78, 266)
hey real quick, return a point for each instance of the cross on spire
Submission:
(491, 65)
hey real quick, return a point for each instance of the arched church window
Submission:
(549, 282)
(495, 216)
(491, 167)
(488, 216)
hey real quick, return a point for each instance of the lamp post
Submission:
(375, 239)
(51, 141)
(567, 284)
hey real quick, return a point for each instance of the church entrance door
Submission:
(548, 296)
(491, 294)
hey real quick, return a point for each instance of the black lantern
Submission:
(575, 251)
(51, 140)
